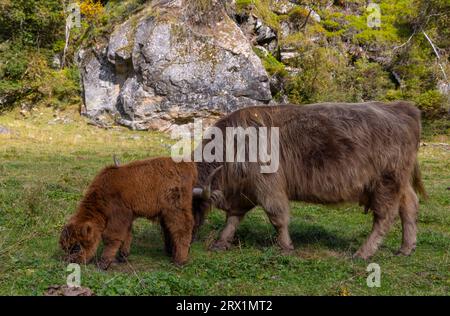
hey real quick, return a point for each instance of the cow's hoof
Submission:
(286, 251)
(220, 245)
(286, 248)
(404, 252)
(360, 255)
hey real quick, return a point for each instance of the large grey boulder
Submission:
(162, 67)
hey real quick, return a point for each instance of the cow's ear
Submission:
(87, 230)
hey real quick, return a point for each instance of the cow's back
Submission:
(331, 152)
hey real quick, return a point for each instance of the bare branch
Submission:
(437, 55)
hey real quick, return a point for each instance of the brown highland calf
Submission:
(328, 153)
(157, 189)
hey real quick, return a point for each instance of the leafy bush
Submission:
(271, 64)
(243, 4)
(431, 103)
(13, 62)
(371, 80)
(91, 9)
(32, 22)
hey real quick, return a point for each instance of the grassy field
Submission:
(46, 163)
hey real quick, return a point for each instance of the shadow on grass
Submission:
(302, 234)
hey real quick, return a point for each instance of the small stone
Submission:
(64, 290)
(4, 130)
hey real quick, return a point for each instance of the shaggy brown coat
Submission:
(157, 189)
(329, 153)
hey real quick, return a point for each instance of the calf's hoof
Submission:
(180, 261)
(104, 264)
(122, 257)
(220, 245)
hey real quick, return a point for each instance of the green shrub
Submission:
(13, 62)
(271, 64)
(371, 80)
(242, 5)
(32, 22)
(62, 88)
(432, 103)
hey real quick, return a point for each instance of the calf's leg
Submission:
(178, 228)
(168, 243)
(124, 250)
(112, 240)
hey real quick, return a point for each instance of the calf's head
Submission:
(202, 200)
(79, 241)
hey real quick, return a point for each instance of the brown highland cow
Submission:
(158, 189)
(329, 153)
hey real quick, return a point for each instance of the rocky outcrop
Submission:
(160, 69)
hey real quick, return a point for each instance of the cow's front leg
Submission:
(227, 234)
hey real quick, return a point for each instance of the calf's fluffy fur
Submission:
(158, 189)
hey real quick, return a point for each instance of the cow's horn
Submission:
(197, 192)
(207, 188)
(116, 161)
(205, 191)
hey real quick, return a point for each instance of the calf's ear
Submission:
(65, 233)
(87, 230)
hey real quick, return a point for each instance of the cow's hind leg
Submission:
(277, 209)
(385, 206)
(227, 234)
(409, 207)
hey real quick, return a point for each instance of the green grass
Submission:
(45, 168)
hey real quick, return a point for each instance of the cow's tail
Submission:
(417, 181)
